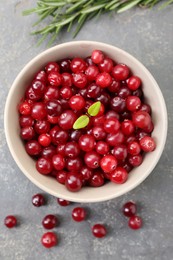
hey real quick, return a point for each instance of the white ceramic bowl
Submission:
(153, 96)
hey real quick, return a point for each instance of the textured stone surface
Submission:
(146, 34)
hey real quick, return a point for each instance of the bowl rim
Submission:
(42, 186)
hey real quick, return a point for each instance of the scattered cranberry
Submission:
(99, 230)
(10, 221)
(49, 239)
(63, 202)
(78, 214)
(135, 222)
(38, 200)
(49, 221)
(129, 209)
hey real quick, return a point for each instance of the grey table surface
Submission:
(146, 34)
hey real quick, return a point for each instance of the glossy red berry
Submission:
(127, 127)
(135, 160)
(25, 108)
(27, 133)
(133, 103)
(52, 93)
(97, 179)
(135, 222)
(78, 65)
(103, 80)
(141, 119)
(97, 56)
(44, 140)
(63, 202)
(114, 139)
(55, 78)
(38, 200)
(49, 239)
(44, 165)
(49, 221)
(93, 90)
(119, 152)
(78, 214)
(133, 82)
(108, 163)
(102, 147)
(112, 125)
(120, 72)
(106, 65)
(38, 111)
(52, 66)
(73, 182)
(10, 221)
(67, 119)
(58, 162)
(129, 209)
(147, 144)
(99, 230)
(86, 142)
(79, 80)
(119, 175)
(77, 102)
(71, 149)
(33, 147)
(92, 159)
(133, 148)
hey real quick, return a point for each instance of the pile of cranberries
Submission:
(114, 140)
(78, 214)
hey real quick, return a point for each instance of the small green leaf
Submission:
(94, 109)
(81, 122)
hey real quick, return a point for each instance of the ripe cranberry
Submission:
(31, 95)
(114, 139)
(25, 108)
(98, 121)
(145, 108)
(103, 80)
(33, 148)
(38, 111)
(92, 159)
(77, 102)
(71, 149)
(104, 98)
(99, 230)
(91, 72)
(52, 119)
(41, 75)
(67, 119)
(112, 114)
(48, 152)
(74, 164)
(129, 209)
(98, 132)
(119, 175)
(67, 80)
(52, 92)
(111, 125)
(124, 92)
(126, 165)
(135, 222)
(133, 103)
(138, 93)
(147, 144)
(120, 152)
(63, 202)
(97, 179)
(78, 214)
(108, 163)
(42, 127)
(86, 173)
(60, 137)
(148, 129)
(55, 78)
(38, 87)
(73, 182)
(106, 65)
(120, 72)
(49, 240)
(61, 176)
(27, 133)
(52, 66)
(86, 142)
(83, 92)
(75, 135)
(26, 121)
(49, 221)
(118, 104)
(53, 108)
(58, 162)
(78, 65)
(66, 92)
(133, 148)
(44, 139)
(79, 80)
(102, 147)
(65, 65)
(38, 200)
(141, 119)
(115, 86)
(97, 56)
(135, 160)
(130, 139)
(133, 82)
(44, 165)
(127, 127)
(93, 90)
(10, 221)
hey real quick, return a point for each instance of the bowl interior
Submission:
(153, 96)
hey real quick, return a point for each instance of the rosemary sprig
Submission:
(66, 13)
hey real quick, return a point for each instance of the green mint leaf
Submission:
(81, 122)
(94, 109)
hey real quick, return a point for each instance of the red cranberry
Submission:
(145, 108)
(73, 182)
(115, 86)
(92, 159)
(79, 80)
(67, 119)
(42, 127)
(97, 56)
(74, 164)
(119, 175)
(44, 139)
(118, 104)
(133, 103)
(114, 139)
(26, 121)
(78, 65)
(141, 119)
(111, 125)
(55, 78)
(129, 209)
(49, 221)
(104, 98)
(127, 166)
(108, 163)
(120, 152)
(106, 65)
(133, 148)
(93, 90)
(102, 147)
(66, 92)
(48, 152)
(60, 137)
(103, 80)
(78, 214)
(41, 75)
(75, 135)
(86, 142)
(86, 173)
(135, 160)
(53, 108)
(27, 133)
(72, 150)
(77, 102)
(33, 148)
(135, 222)
(133, 82)
(96, 180)
(120, 72)
(98, 132)
(25, 108)
(10, 221)
(99, 230)
(38, 200)
(52, 66)
(98, 121)
(38, 87)
(63, 202)
(49, 240)
(127, 127)
(52, 92)
(91, 72)
(31, 95)
(67, 80)
(112, 114)
(147, 144)
(44, 166)
(124, 92)
(58, 162)
(61, 176)
(65, 65)
(38, 111)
